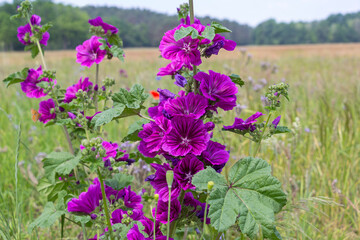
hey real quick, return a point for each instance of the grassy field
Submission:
(318, 164)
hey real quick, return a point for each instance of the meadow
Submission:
(318, 163)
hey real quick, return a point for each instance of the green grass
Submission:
(325, 98)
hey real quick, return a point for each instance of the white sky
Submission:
(243, 11)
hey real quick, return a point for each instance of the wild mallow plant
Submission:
(89, 185)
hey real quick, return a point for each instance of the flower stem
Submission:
(154, 233)
(142, 116)
(168, 219)
(191, 8)
(95, 92)
(257, 147)
(105, 204)
(174, 224)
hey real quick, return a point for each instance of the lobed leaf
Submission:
(134, 130)
(107, 115)
(237, 80)
(16, 77)
(251, 196)
(219, 28)
(119, 181)
(209, 33)
(184, 32)
(50, 213)
(59, 163)
(281, 129)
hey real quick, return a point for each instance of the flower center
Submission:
(186, 47)
(185, 141)
(188, 176)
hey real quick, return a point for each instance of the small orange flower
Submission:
(155, 94)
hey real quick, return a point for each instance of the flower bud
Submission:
(210, 185)
(169, 178)
(99, 141)
(156, 197)
(130, 212)
(85, 142)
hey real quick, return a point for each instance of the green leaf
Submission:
(209, 33)
(251, 196)
(132, 100)
(184, 32)
(17, 77)
(82, 219)
(201, 179)
(281, 129)
(119, 181)
(33, 48)
(51, 190)
(219, 28)
(237, 80)
(107, 115)
(134, 130)
(59, 163)
(117, 52)
(50, 214)
(115, 40)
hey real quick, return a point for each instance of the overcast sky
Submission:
(244, 11)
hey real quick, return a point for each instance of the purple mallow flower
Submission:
(218, 43)
(190, 105)
(24, 32)
(276, 121)
(186, 169)
(153, 136)
(219, 88)
(247, 124)
(98, 22)
(89, 52)
(87, 201)
(131, 199)
(159, 182)
(72, 90)
(188, 135)
(111, 149)
(215, 153)
(29, 86)
(47, 110)
(171, 69)
(162, 210)
(165, 94)
(180, 80)
(185, 50)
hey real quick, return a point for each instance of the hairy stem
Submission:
(105, 204)
(154, 233)
(257, 147)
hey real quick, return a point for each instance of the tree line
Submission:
(145, 28)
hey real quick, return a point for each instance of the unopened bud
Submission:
(156, 197)
(169, 178)
(210, 185)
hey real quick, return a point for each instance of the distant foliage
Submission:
(143, 28)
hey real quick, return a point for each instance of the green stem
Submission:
(168, 218)
(262, 135)
(205, 213)
(154, 233)
(174, 224)
(68, 139)
(142, 116)
(96, 84)
(84, 231)
(105, 204)
(191, 8)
